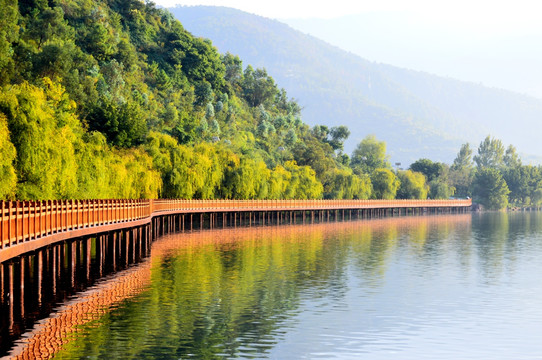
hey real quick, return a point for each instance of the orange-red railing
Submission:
(22, 221)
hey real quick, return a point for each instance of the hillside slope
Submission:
(417, 114)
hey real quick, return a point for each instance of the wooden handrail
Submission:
(22, 221)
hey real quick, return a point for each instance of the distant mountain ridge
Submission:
(417, 114)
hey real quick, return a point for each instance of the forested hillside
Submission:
(417, 114)
(107, 99)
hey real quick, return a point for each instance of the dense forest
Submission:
(115, 99)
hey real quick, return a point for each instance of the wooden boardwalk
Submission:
(28, 225)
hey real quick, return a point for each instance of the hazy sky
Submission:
(520, 14)
(497, 43)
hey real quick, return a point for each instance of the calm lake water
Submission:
(434, 287)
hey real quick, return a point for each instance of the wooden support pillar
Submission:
(2, 283)
(21, 280)
(54, 272)
(87, 257)
(38, 275)
(133, 242)
(11, 296)
(71, 262)
(113, 244)
(126, 236)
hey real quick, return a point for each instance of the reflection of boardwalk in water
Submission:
(50, 335)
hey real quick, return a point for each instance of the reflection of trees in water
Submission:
(500, 237)
(209, 293)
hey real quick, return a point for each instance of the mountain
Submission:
(417, 114)
(485, 51)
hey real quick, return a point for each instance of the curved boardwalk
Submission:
(29, 225)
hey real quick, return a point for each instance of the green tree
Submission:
(258, 87)
(385, 184)
(440, 189)
(344, 184)
(214, 127)
(511, 158)
(43, 130)
(412, 186)
(209, 111)
(369, 155)
(123, 124)
(461, 172)
(431, 170)
(233, 69)
(9, 31)
(338, 134)
(490, 153)
(490, 189)
(7, 156)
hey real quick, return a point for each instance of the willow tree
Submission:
(413, 185)
(7, 156)
(43, 130)
(385, 184)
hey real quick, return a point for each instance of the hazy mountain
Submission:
(501, 54)
(417, 114)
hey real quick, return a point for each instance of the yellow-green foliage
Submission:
(57, 159)
(303, 184)
(7, 155)
(413, 185)
(43, 129)
(209, 171)
(385, 184)
(344, 184)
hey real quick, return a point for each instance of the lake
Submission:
(461, 286)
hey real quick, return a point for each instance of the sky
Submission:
(496, 43)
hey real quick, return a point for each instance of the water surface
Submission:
(434, 287)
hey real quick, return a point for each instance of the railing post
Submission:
(17, 221)
(2, 219)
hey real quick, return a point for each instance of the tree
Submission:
(338, 135)
(258, 87)
(385, 184)
(214, 127)
(344, 184)
(209, 111)
(412, 186)
(7, 156)
(511, 158)
(203, 92)
(463, 160)
(8, 33)
(461, 172)
(490, 189)
(123, 124)
(290, 138)
(437, 175)
(490, 153)
(42, 128)
(440, 189)
(233, 68)
(522, 181)
(370, 155)
(431, 170)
